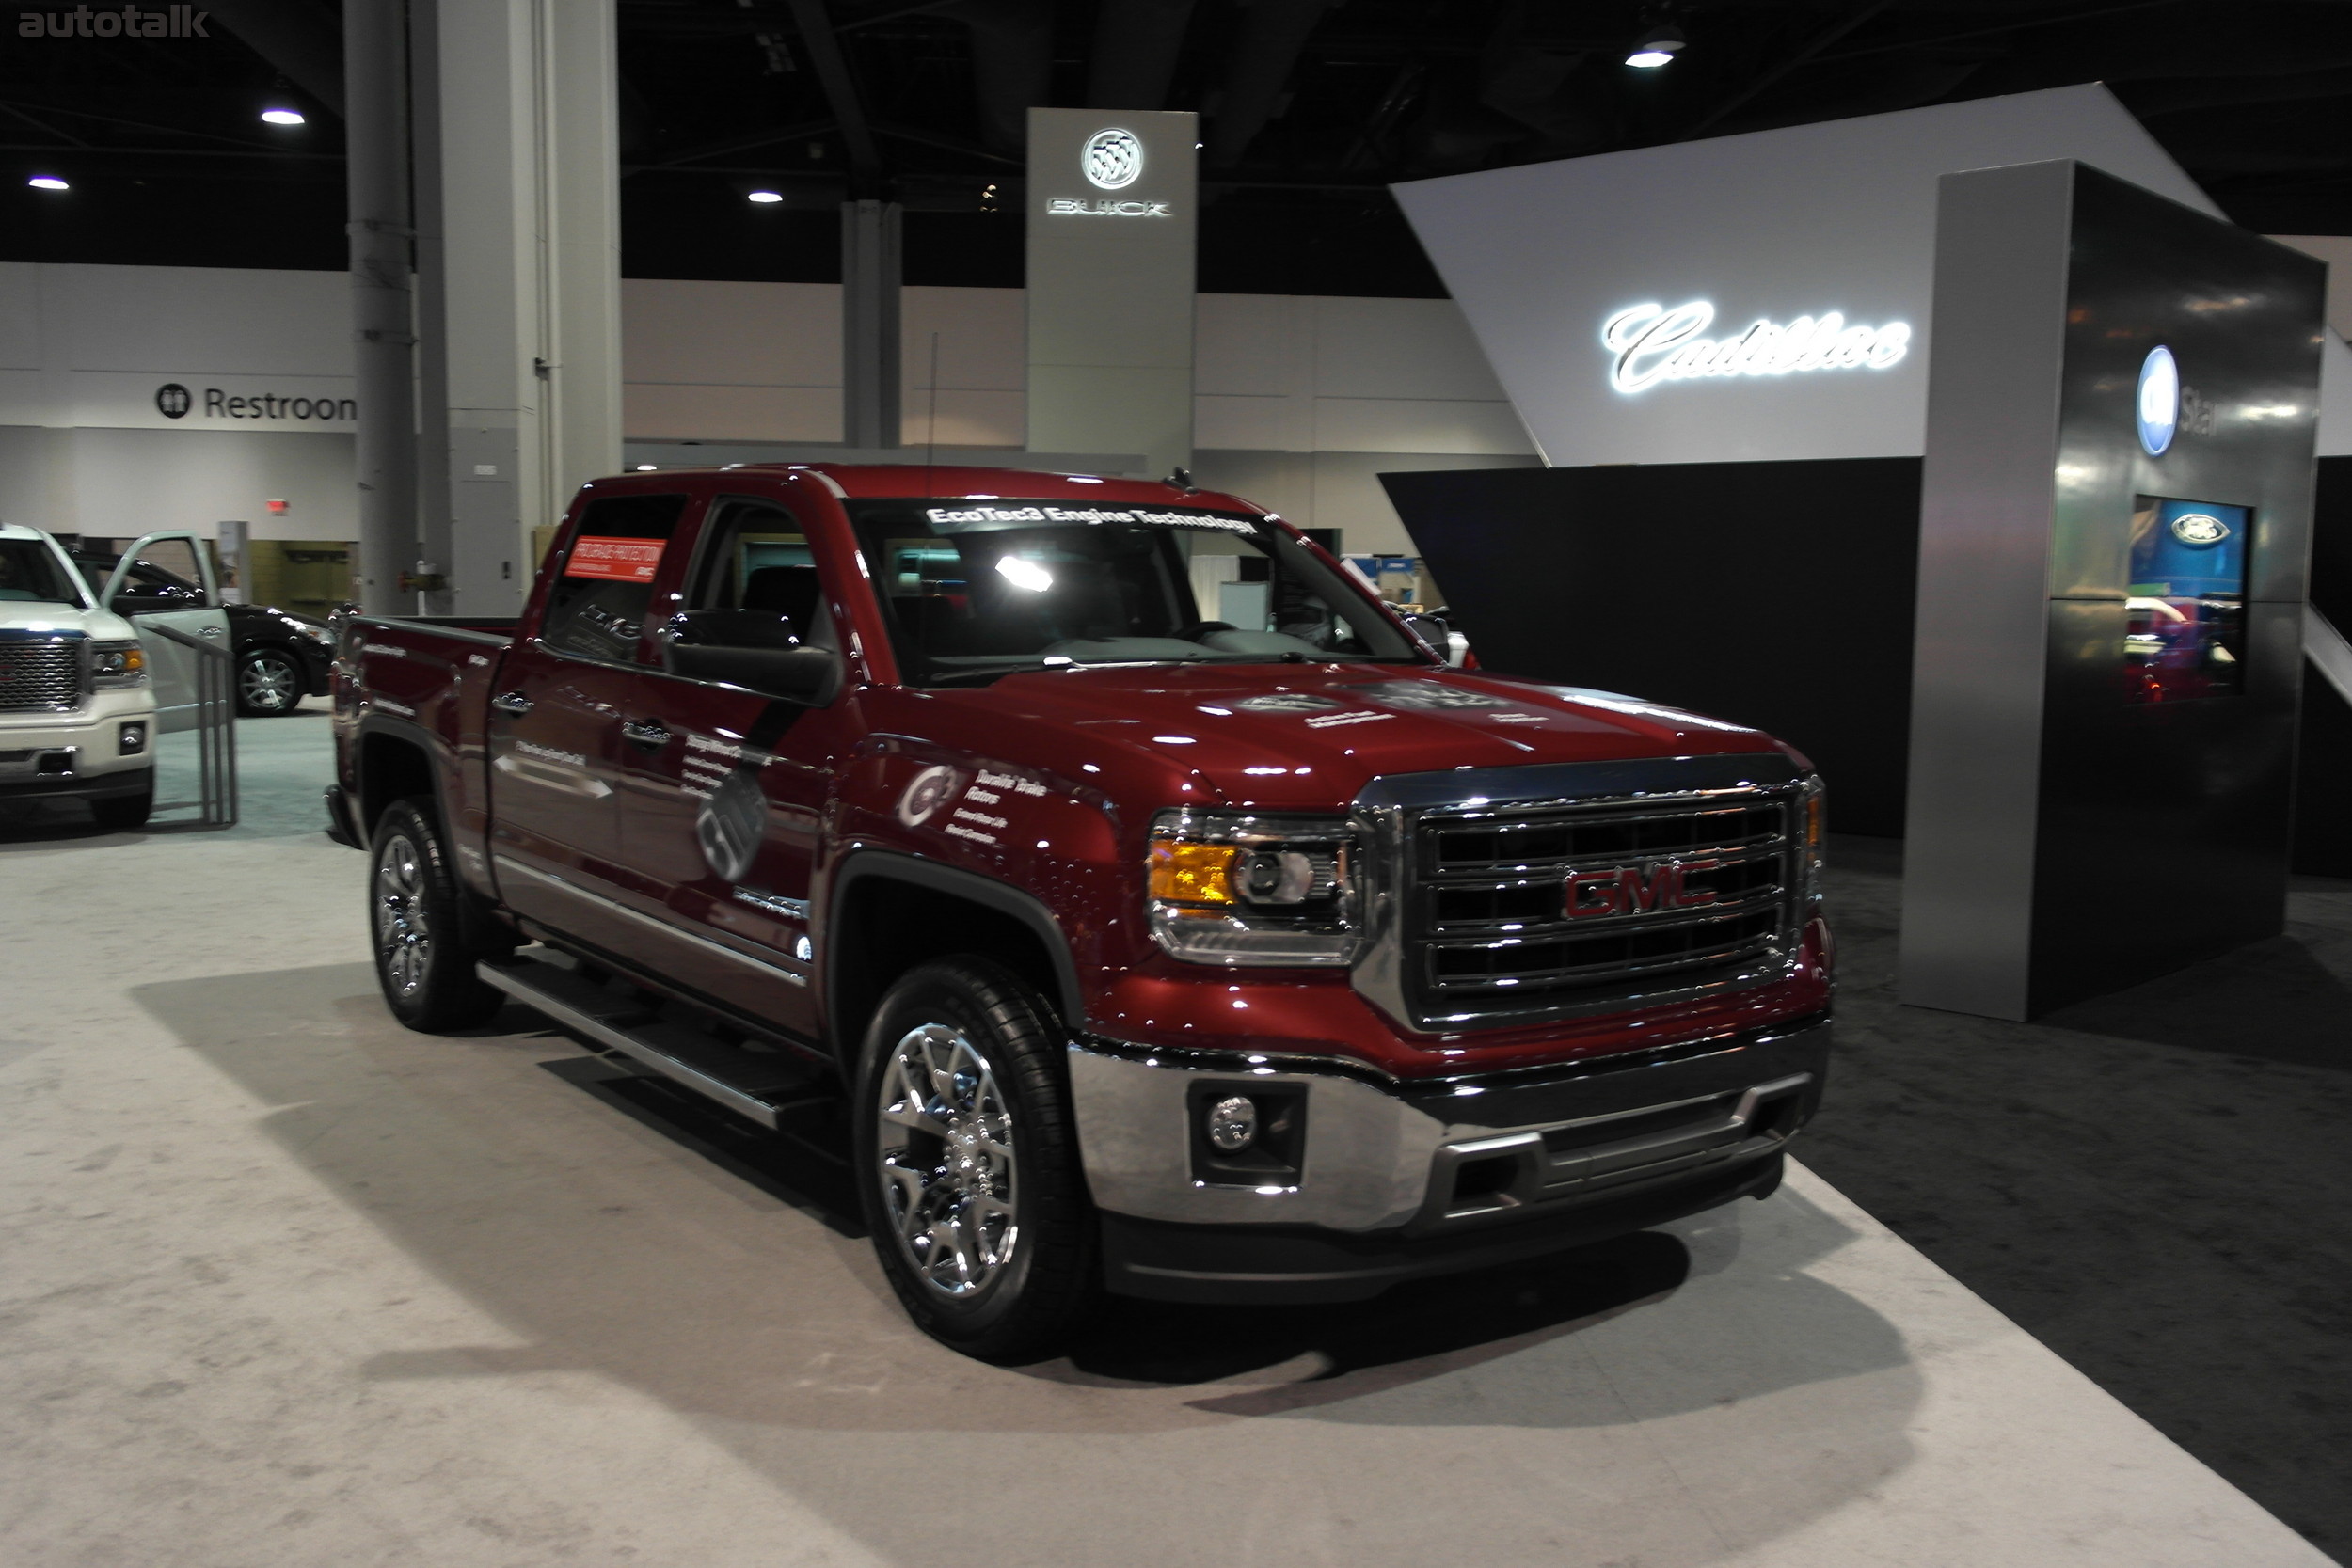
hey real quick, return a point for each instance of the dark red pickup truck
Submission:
(1153, 906)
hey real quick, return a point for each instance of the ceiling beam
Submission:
(840, 87)
(1805, 51)
(733, 144)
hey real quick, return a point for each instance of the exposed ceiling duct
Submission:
(304, 40)
(1257, 72)
(1136, 45)
(1012, 65)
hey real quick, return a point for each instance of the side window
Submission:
(757, 585)
(596, 605)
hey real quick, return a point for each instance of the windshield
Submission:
(978, 589)
(29, 570)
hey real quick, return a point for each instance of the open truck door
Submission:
(166, 580)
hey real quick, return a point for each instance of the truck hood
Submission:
(42, 615)
(1309, 735)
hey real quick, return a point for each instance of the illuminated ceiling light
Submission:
(644, 467)
(766, 198)
(1657, 47)
(48, 182)
(282, 117)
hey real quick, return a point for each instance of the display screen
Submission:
(2187, 633)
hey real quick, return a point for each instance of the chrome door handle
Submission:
(650, 734)
(212, 631)
(511, 701)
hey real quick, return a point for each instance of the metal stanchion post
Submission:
(215, 728)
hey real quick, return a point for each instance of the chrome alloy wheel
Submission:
(403, 941)
(269, 683)
(945, 1156)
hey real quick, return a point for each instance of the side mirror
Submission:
(1431, 629)
(806, 675)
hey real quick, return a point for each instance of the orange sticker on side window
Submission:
(613, 560)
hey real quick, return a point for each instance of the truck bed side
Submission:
(412, 706)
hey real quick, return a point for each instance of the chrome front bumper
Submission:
(1427, 1160)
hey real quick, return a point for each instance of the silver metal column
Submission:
(1986, 509)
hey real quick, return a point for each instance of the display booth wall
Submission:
(2323, 777)
(1776, 593)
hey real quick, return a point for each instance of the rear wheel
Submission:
(119, 813)
(972, 1181)
(424, 960)
(269, 681)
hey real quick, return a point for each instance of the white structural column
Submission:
(1111, 274)
(375, 93)
(530, 226)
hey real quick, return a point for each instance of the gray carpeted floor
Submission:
(2158, 1184)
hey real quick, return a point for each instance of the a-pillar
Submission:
(524, 275)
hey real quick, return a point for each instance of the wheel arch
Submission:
(886, 911)
(395, 762)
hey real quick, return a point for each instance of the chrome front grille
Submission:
(1516, 913)
(43, 672)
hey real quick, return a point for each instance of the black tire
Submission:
(122, 813)
(1026, 1297)
(418, 929)
(270, 681)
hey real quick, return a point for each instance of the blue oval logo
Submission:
(2159, 401)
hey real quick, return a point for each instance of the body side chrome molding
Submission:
(777, 965)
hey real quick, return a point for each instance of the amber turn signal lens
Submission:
(1192, 873)
(1813, 822)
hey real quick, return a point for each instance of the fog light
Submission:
(1232, 1124)
(130, 740)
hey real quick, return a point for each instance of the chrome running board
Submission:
(760, 1085)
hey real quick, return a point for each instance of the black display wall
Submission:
(1777, 594)
(2323, 774)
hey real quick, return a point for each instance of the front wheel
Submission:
(269, 681)
(423, 961)
(971, 1174)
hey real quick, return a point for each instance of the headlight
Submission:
(117, 664)
(1230, 888)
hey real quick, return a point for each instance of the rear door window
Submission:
(597, 603)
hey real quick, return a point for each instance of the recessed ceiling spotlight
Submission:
(1657, 47)
(283, 116)
(766, 198)
(644, 467)
(48, 182)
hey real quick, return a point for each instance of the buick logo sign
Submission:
(172, 401)
(1112, 159)
(2159, 401)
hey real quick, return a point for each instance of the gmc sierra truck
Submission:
(1253, 958)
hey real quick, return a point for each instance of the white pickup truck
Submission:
(83, 692)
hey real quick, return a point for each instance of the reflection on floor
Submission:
(288, 1285)
(2156, 1184)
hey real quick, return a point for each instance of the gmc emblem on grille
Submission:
(1632, 890)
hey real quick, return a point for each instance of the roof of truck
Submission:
(925, 480)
